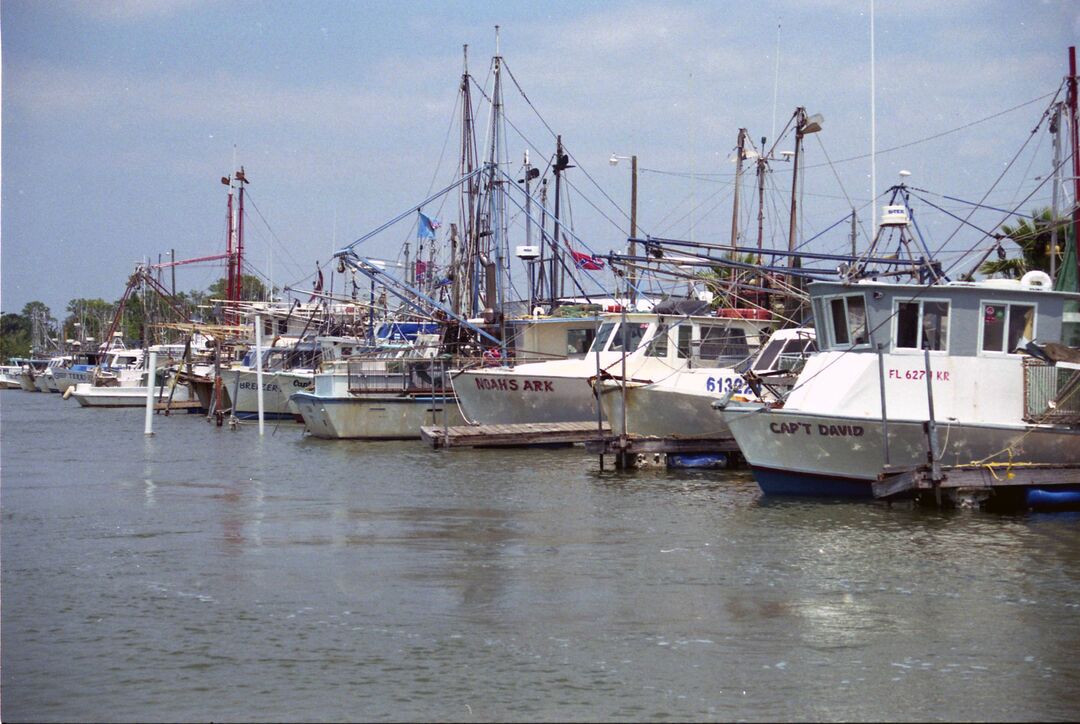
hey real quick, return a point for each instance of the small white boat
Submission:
(89, 395)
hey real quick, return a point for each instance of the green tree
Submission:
(14, 336)
(88, 321)
(253, 289)
(1032, 237)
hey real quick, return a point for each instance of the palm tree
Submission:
(1033, 237)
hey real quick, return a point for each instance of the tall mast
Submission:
(239, 291)
(740, 146)
(1075, 156)
(463, 261)
(230, 280)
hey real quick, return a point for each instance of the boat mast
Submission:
(462, 264)
(1075, 155)
(740, 147)
(230, 281)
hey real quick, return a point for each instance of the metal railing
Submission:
(1051, 393)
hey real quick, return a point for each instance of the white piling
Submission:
(151, 369)
(258, 368)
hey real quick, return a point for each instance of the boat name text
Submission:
(793, 428)
(483, 383)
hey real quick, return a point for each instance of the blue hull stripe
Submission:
(787, 482)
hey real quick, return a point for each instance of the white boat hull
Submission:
(88, 395)
(505, 398)
(244, 393)
(795, 453)
(375, 417)
(680, 410)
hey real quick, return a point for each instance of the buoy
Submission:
(68, 391)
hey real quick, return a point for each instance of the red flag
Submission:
(585, 261)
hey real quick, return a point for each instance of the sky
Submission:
(119, 119)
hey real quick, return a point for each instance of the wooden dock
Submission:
(179, 406)
(951, 484)
(520, 435)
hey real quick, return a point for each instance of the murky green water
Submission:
(206, 574)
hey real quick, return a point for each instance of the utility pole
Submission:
(1055, 128)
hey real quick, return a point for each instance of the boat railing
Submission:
(1051, 393)
(414, 375)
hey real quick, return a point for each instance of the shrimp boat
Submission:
(560, 390)
(955, 373)
(678, 403)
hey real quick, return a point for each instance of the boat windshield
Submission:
(602, 336)
(634, 333)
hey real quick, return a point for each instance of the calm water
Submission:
(206, 574)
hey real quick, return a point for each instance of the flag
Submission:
(582, 260)
(585, 261)
(421, 269)
(426, 227)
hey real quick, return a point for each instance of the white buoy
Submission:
(258, 368)
(151, 368)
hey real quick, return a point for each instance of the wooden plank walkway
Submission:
(178, 406)
(892, 482)
(520, 435)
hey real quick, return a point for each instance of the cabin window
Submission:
(922, 325)
(1004, 324)
(578, 341)
(602, 337)
(659, 345)
(848, 317)
(685, 334)
(634, 333)
(723, 346)
(1070, 324)
(765, 359)
(268, 326)
(283, 326)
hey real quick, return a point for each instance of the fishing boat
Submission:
(678, 404)
(560, 390)
(954, 374)
(387, 394)
(10, 374)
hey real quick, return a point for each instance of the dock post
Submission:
(258, 369)
(151, 367)
(598, 390)
(884, 414)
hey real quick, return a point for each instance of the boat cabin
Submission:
(991, 318)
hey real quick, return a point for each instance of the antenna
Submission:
(496, 40)
(776, 80)
(873, 125)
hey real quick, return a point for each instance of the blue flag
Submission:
(426, 227)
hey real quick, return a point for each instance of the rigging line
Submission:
(590, 203)
(1004, 171)
(982, 231)
(832, 167)
(704, 201)
(580, 166)
(966, 203)
(272, 234)
(943, 133)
